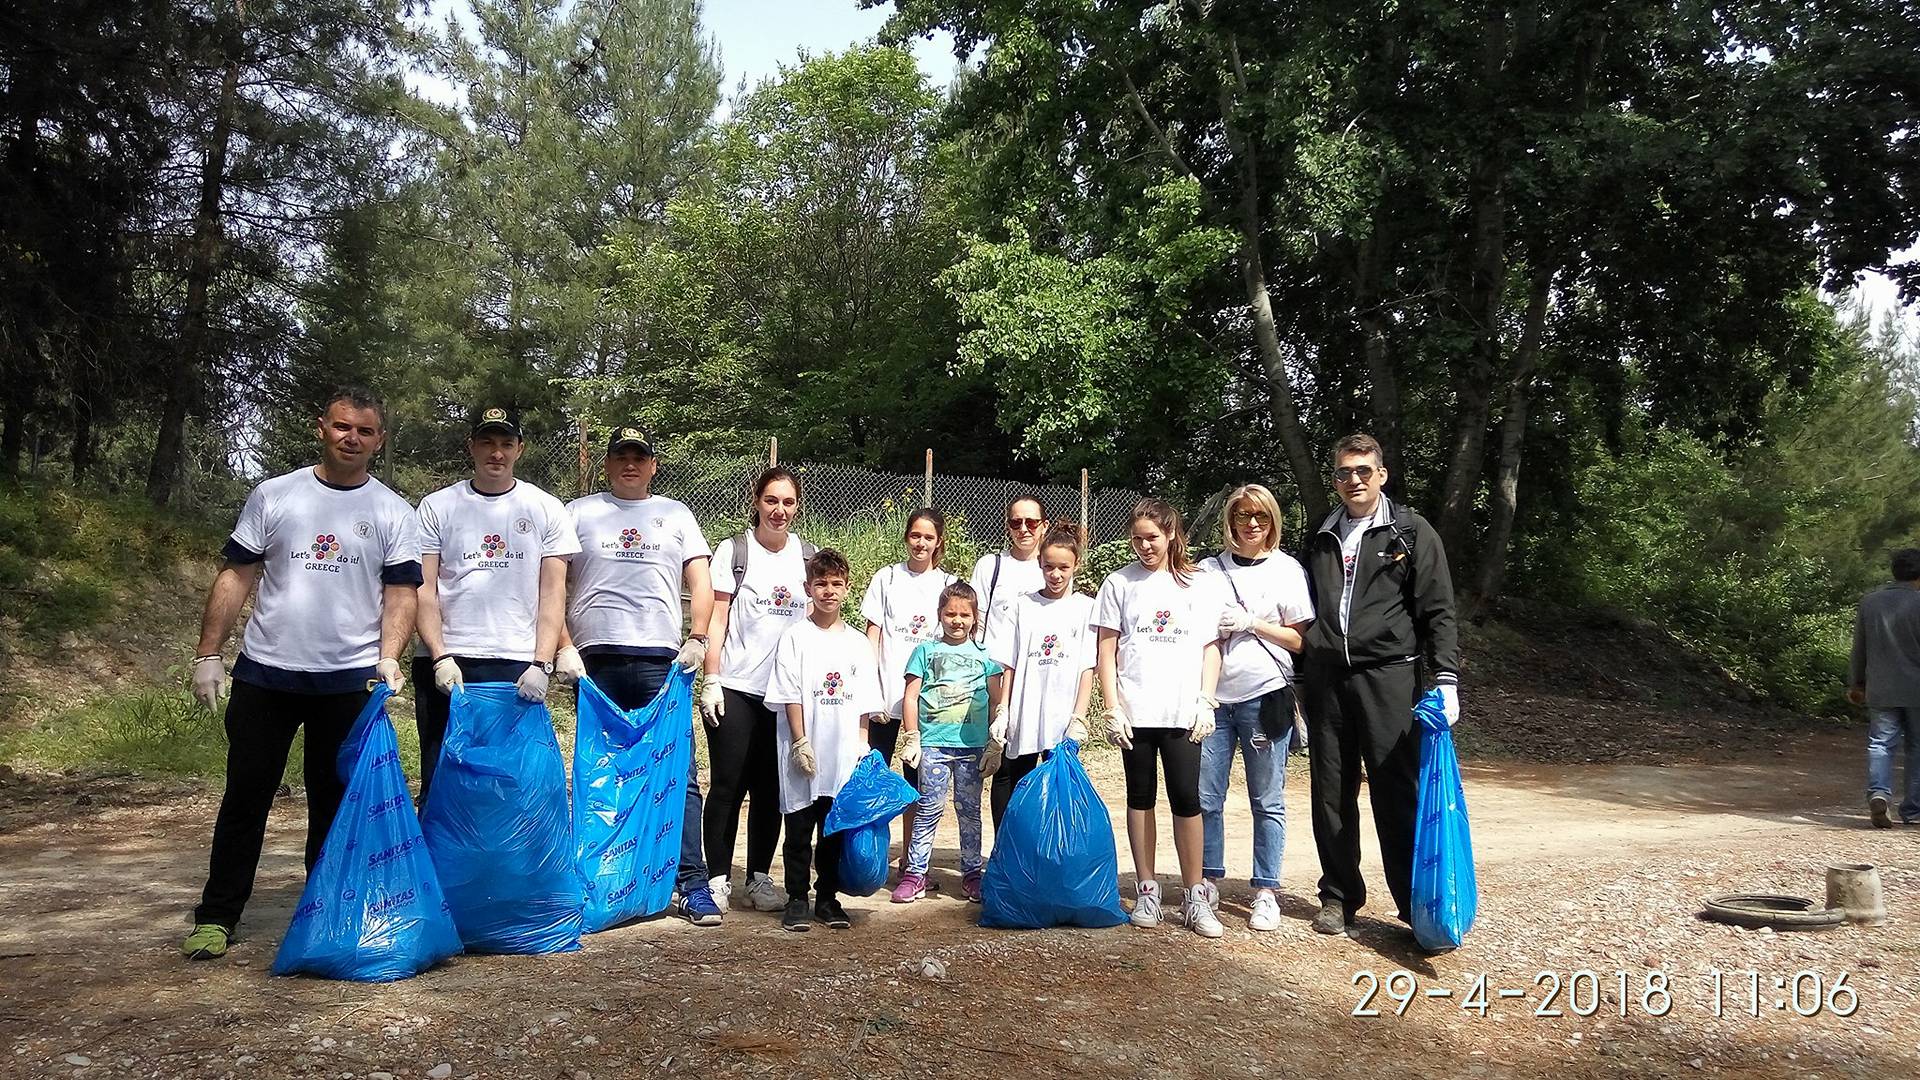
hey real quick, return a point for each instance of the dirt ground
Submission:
(1595, 867)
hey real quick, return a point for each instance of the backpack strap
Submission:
(741, 551)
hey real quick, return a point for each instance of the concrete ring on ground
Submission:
(1756, 910)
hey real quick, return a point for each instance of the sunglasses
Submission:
(1362, 473)
(1251, 517)
(1025, 524)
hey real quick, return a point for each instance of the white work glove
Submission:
(1450, 702)
(713, 703)
(692, 654)
(446, 675)
(1077, 730)
(209, 675)
(1235, 619)
(997, 731)
(802, 755)
(567, 665)
(910, 748)
(1119, 728)
(532, 684)
(389, 671)
(996, 754)
(1203, 707)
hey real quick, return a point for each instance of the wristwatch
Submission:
(546, 666)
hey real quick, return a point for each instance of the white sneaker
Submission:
(764, 895)
(1146, 905)
(1266, 911)
(1213, 894)
(1196, 910)
(722, 889)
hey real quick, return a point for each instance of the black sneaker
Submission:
(829, 911)
(1332, 919)
(796, 917)
(1877, 808)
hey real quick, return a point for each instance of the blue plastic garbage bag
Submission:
(871, 798)
(372, 910)
(630, 799)
(498, 826)
(1054, 862)
(1445, 896)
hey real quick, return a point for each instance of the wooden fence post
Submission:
(586, 461)
(929, 479)
(1086, 521)
(773, 451)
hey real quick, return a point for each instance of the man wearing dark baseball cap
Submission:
(637, 550)
(494, 553)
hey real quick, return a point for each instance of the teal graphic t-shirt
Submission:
(953, 692)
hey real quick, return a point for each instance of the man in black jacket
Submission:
(1386, 627)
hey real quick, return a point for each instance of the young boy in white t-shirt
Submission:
(826, 680)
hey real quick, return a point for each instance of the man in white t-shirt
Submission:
(637, 550)
(493, 555)
(335, 557)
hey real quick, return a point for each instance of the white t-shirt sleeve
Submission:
(868, 697)
(693, 542)
(723, 568)
(401, 539)
(250, 531)
(873, 605)
(1001, 633)
(1107, 605)
(789, 675)
(427, 526)
(558, 537)
(1296, 603)
(982, 577)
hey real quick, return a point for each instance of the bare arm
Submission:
(551, 620)
(397, 608)
(228, 595)
(997, 691)
(1107, 664)
(1291, 637)
(796, 721)
(1209, 668)
(910, 706)
(1084, 695)
(698, 576)
(716, 632)
(427, 611)
(873, 637)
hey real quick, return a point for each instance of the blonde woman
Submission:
(1267, 610)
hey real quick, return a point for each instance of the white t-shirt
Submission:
(1274, 589)
(490, 547)
(1048, 644)
(772, 598)
(1017, 578)
(1164, 629)
(906, 608)
(835, 678)
(322, 551)
(624, 586)
(1352, 532)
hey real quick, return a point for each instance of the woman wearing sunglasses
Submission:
(1001, 576)
(1267, 610)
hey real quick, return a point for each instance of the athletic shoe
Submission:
(722, 890)
(697, 907)
(970, 886)
(1877, 806)
(1146, 905)
(829, 911)
(207, 942)
(1332, 919)
(1196, 910)
(912, 887)
(763, 894)
(1266, 911)
(797, 918)
(1213, 886)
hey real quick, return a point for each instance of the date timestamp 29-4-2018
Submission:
(1557, 994)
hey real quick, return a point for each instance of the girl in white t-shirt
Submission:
(1267, 610)
(1159, 657)
(1046, 645)
(759, 593)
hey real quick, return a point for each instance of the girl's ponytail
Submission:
(1167, 519)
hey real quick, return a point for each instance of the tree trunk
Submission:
(82, 452)
(163, 474)
(1513, 433)
(13, 435)
(1383, 396)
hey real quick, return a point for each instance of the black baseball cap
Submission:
(630, 437)
(494, 418)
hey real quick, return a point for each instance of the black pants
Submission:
(1007, 777)
(632, 682)
(260, 728)
(886, 739)
(1180, 754)
(802, 826)
(430, 706)
(744, 763)
(1355, 718)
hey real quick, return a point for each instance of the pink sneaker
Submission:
(912, 887)
(970, 886)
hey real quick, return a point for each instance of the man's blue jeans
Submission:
(1886, 729)
(632, 681)
(1266, 762)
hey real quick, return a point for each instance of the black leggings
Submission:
(1008, 777)
(1182, 758)
(745, 765)
(886, 738)
(802, 826)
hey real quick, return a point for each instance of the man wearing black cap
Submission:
(494, 556)
(637, 550)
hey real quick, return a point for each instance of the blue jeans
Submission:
(632, 681)
(1266, 763)
(1885, 730)
(943, 767)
